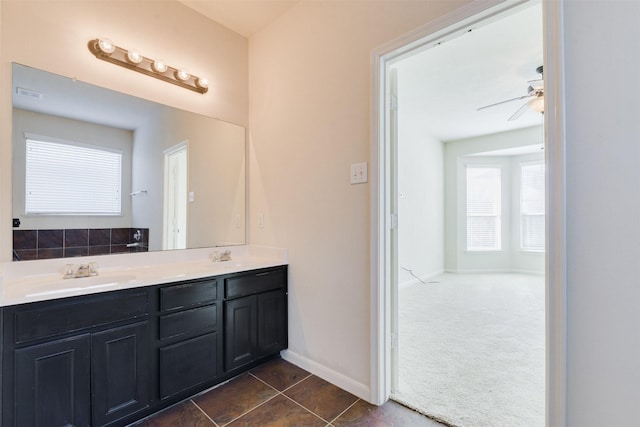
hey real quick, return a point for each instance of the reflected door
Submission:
(175, 197)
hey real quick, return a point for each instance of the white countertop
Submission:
(30, 281)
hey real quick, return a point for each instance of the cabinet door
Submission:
(120, 372)
(53, 383)
(241, 332)
(188, 363)
(272, 322)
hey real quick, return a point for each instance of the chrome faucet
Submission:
(83, 270)
(221, 256)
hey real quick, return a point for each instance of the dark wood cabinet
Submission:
(78, 361)
(54, 384)
(190, 336)
(109, 359)
(255, 317)
(120, 372)
(187, 364)
(272, 322)
(241, 332)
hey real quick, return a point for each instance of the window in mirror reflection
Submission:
(90, 184)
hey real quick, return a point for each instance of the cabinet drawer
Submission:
(248, 284)
(189, 322)
(188, 364)
(56, 317)
(188, 295)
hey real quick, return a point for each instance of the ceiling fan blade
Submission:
(503, 102)
(519, 113)
(536, 84)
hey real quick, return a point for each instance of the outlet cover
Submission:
(359, 173)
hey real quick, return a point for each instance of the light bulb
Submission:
(537, 104)
(202, 83)
(106, 46)
(134, 56)
(182, 75)
(159, 66)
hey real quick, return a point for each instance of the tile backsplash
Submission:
(75, 242)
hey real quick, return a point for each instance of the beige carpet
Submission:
(471, 349)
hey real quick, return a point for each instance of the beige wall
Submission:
(310, 85)
(53, 35)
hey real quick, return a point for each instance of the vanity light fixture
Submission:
(106, 50)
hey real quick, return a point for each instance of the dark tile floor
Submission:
(281, 394)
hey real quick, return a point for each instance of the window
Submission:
(90, 184)
(532, 206)
(484, 207)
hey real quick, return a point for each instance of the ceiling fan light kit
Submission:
(534, 98)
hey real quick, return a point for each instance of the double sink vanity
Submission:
(150, 330)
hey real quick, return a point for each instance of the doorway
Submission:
(385, 219)
(175, 197)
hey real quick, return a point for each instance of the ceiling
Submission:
(245, 17)
(66, 97)
(445, 85)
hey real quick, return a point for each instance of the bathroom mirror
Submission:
(182, 175)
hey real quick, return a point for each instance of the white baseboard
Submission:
(336, 378)
(537, 272)
(495, 270)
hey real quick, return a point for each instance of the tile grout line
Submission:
(292, 385)
(260, 404)
(294, 401)
(205, 414)
(342, 413)
(306, 409)
(252, 409)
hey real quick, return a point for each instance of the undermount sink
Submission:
(84, 283)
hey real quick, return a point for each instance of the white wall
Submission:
(310, 109)
(603, 212)
(420, 202)
(53, 35)
(457, 154)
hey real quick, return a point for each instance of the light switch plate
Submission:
(359, 173)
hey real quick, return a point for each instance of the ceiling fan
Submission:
(534, 97)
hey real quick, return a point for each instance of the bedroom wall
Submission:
(420, 201)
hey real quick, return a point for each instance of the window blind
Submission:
(484, 208)
(67, 179)
(532, 195)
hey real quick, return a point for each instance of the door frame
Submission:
(167, 155)
(450, 26)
